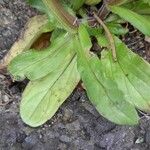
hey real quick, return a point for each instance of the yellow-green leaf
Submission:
(131, 73)
(37, 64)
(42, 98)
(138, 21)
(103, 92)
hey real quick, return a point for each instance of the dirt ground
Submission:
(77, 125)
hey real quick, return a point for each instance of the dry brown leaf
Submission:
(33, 29)
(42, 42)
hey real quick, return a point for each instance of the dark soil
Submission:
(77, 125)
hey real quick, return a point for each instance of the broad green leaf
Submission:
(37, 64)
(33, 29)
(102, 91)
(131, 73)
(135, 19)
(42, 98)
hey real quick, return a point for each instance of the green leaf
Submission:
(37, 64)
(42, 98)
(135, 19)
(102, 91)
(131, 73)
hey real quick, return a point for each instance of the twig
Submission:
(2, 66)
(144, 115)
(109, 36)
(6, 103)
(103, 11)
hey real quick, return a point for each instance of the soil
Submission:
(77, 125)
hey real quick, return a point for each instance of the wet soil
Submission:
(77, 125)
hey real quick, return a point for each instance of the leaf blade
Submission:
(103, 92)
(131, 73)
(33, 64)
(42, 98)
(135, 19)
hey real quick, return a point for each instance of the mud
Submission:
(77, 125)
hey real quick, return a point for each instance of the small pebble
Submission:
(67, 114)
(147, 136)
(65, 139)
(139, 140)
(147, 39)
(5, 98)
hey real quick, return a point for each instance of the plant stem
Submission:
(68, 21)
(104, 10)
(109, 36)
